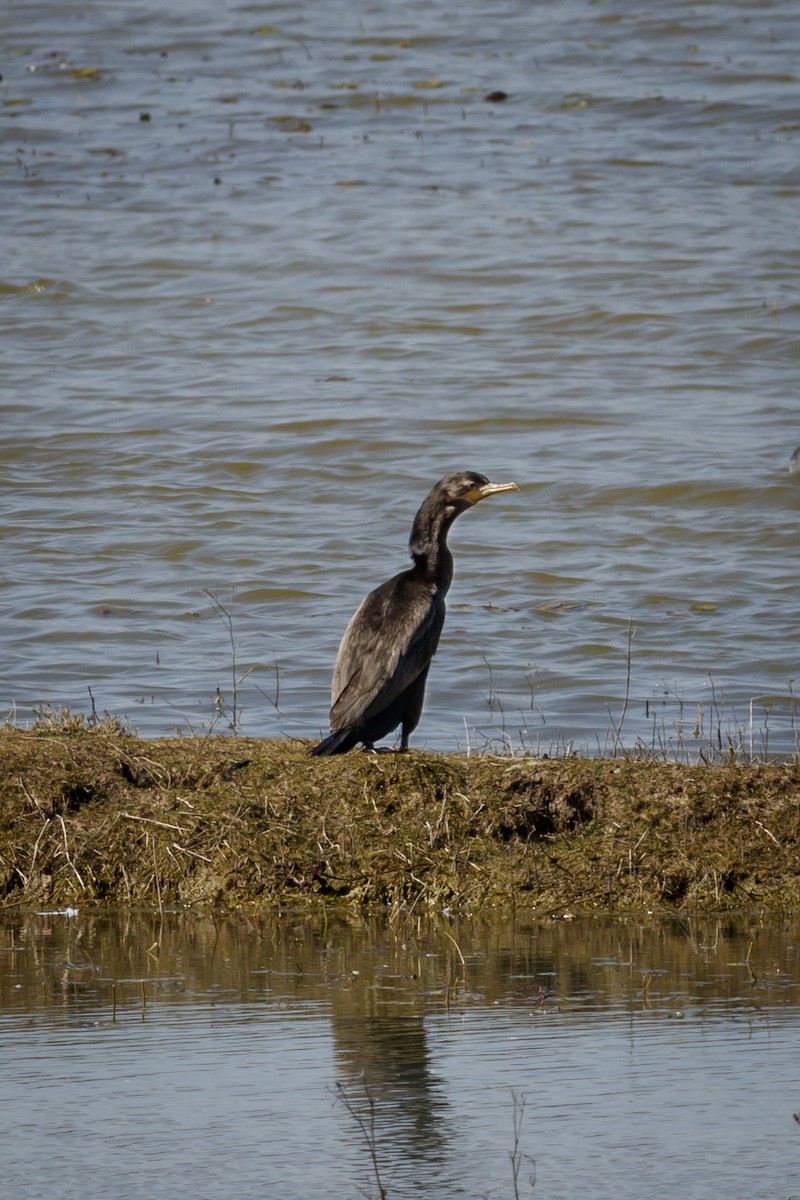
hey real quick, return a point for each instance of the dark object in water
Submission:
(794, 463)
(383, 660)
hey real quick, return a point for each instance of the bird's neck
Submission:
(429, 550)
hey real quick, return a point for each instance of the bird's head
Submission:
(451, 496)
(456, 493)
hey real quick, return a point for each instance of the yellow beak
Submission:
(489, 489)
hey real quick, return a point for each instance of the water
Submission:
(195, 1057)
(268, 272)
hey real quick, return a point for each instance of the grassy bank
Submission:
(95, 814)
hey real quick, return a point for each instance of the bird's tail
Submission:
(337, 743)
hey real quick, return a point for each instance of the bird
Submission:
(382, 665)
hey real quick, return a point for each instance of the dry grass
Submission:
(89, 812)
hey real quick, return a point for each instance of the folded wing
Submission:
(390, 640)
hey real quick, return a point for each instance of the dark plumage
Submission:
(383, 660)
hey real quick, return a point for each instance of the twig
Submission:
(29, 795)
(455, 943)
(716, 715)
(227, 617)
(764, 829)
(153, 821)
(276, 703)
(66, 851)
(36, 849)
(618, 727)
(158, 885)
(793, 715)
(491, 699)
(516, 1154)
(367, 1129)
(194, 853)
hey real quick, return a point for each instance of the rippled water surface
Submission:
(269, 271)
(181, 1056)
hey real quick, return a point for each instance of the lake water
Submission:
(187, 1056)
(269, 271)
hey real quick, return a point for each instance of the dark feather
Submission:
(388, 643)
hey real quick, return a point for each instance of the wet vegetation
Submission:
(92, 813)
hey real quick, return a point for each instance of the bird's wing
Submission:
(391, 639)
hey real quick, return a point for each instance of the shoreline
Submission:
(93, 814)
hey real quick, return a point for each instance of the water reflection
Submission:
(241, 1037)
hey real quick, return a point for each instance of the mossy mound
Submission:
(95, 814)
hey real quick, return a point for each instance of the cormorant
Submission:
(383, 660)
